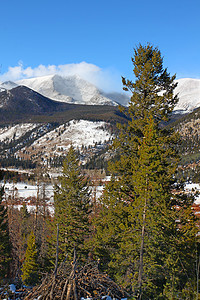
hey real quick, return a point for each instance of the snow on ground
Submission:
(99, 191)
(10, 132)
(77, 133)
(86, 133)
(24, 190)
(32, 208)
(193, 187)
(24, 193)
(21, 171)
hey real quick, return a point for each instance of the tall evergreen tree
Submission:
(72, 208)
(5, 245)
(144, 228)
(30, 266)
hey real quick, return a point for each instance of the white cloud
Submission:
(106, 79)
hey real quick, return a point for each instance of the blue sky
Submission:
(100, 33)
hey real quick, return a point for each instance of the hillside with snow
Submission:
(74, 89)
(78, 133)
(7, 85)
(40, 142)
(9, 133)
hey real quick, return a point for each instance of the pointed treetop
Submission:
(152, 91)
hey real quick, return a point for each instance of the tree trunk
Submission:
(57, 248)
(140, 273)
(142, 252)
(36, 208)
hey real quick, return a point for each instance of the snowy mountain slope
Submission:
(7, 85)
(15, 132)
(77, 133)
(188, 91)
(71, 89)
(121, 98)
(22, 104)
(74, 89)
(57, 142)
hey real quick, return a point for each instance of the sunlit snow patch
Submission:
(15, 132)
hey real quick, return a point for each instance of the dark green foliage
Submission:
(5, 246)
(30, 267)
(25, 225)
(98, 161)
(144, 231)
(72, 208)
(152, 91)
(13, 161)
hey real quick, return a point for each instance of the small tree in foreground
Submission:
(5, 245)
(30, 267)
(72, 208)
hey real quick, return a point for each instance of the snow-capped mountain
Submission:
(7, 85)
(71, 89)
(74, 89)
(188, 91)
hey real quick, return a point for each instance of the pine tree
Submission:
(5, 245)
(72, 208)
(144, 227)
(30, 266)
(24, 230)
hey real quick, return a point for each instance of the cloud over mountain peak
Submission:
(105, 79)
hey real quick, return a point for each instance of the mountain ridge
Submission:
(75, 90)
(188, 90)
(69, 89)
(22, 104)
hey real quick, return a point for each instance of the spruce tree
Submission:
(5, 245)
(144, 227)
(30, 266)
(72, 208)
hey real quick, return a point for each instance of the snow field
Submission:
(77, 133)
(193, 187)
(10, 132)
(24, 193)
(24, 190)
